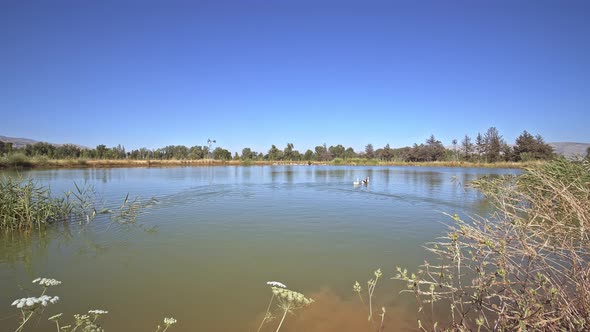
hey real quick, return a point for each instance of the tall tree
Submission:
(435, 149)
(349, 154)
(494, 142)
(247, 154)
(274, 153)
(337, 151)
(369, 151)
(467, 147)
(387, 153)
(221, 154)
(288, 152)
(480, 146)
(529, 147)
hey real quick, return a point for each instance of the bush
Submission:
(19, 160)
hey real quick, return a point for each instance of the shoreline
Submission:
(128, 163)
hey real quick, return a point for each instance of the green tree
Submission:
(101, 151)
(274, 153)
(322, 153)
(247, 154)
(529, 147)
(337, 151)
(369, 151)
(349, 154)
(467, 147)
(289, 153)
(435, 149)
(480, 146)
(493, 142)
(308, 156)
(197, 152)
(387, 153)
(221, 154)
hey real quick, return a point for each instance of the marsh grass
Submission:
(525, 267)
(26, 205)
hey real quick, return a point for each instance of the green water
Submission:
(204, 252)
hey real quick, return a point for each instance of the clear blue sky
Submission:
(256, 73)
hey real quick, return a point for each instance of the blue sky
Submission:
(256, 73)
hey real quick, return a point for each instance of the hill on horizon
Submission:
(19, 142)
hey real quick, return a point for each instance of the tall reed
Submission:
(526, 266)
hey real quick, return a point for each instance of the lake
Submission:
(204, 252)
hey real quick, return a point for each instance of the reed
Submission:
(524, 267)
(24, 205)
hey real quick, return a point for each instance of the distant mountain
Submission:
(18, 142)
(570, 149)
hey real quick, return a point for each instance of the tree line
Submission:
(487, 147)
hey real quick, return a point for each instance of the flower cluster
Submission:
(276, 284)
(98, 312)
(357, 287)
(81, 318)
(55, 317)
(30, 302)
(169, 321)
(46, 282)
(291, 297)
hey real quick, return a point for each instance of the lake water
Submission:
(204, 252)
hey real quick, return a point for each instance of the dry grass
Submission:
(526, 267)
(42, 162)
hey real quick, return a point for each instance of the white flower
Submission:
(169, 321)
(46, 282)
(32, 301)
(276, 284)
(98, 312)
(55, 317)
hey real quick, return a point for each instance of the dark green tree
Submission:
(349, 154)
(467, 147)
(493, 143)
(369, 151)
(387, 153)
(221, 154)
(274, 153)
(337, 151)
(529, 147)
(308, 156)
(247, 154)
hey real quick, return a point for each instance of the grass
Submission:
(19, 160)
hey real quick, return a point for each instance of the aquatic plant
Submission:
(26, 205)
(525, 267)
(288, 301)
(371, 284)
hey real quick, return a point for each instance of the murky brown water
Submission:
(203, 254)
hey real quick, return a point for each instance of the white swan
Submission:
(356, 183)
